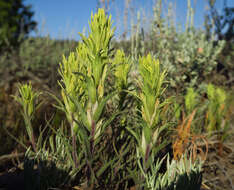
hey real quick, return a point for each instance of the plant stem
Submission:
(30, 133)
(74, 153)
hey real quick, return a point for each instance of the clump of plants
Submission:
(211, 113)
(188, 55)
(117, 124)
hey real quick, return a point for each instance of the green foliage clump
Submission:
(15, 22)
(41, 53)
(217, 114)
(28, 100)
(190, 100)
(182, 174)
(149, 95)
(122, 69)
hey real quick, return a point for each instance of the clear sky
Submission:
(65, 18)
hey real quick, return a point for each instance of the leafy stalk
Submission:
(28, 100)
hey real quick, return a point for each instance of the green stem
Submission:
(30, 133)
(147, 153)
(74, 153)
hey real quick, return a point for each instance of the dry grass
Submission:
(185, 140)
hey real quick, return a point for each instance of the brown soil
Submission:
(219, 169)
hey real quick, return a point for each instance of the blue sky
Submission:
(63, 19)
